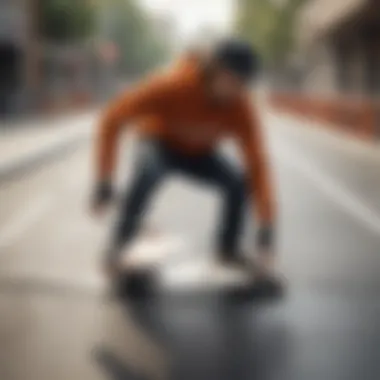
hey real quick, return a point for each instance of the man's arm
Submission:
(255, 157)
(140, 102)
(147, 99)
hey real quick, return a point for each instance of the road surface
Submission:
(56, 324)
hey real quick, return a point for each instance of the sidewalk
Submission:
(24, 145)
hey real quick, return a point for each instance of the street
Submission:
(56, 324)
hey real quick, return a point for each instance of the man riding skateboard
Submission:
(181, 116)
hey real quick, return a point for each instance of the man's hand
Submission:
(102, 197)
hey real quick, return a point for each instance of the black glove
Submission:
(103, 193)
(265, 237)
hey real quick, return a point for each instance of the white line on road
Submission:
(22, 222)
(334, 190)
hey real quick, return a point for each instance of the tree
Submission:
(126, 24)
(269, 26)
(67, 20)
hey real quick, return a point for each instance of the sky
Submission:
(191, 16)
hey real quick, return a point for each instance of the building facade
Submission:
(37, 76)
(338, 55)
(18, 54)
(340, 44)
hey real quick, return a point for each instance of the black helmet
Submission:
(238, 57)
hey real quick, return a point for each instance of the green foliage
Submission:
(67, 20)
(125, 23)
(270, 27)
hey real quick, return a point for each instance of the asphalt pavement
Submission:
(56, 322)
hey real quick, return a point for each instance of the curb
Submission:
(27, 163)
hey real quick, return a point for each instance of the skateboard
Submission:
(166, 265)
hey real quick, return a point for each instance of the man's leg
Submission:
(216, 170)
(232, 186)
(148, 173)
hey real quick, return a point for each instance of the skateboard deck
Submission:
(203, 273)
(148, 253)
(167, 264)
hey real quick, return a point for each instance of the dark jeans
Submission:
(154, 163)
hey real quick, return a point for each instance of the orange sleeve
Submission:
(254, 155)
(142, 101)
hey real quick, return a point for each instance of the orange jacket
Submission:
(175, 108)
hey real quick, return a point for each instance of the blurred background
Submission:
(318, 97)
(321, 57)
(61, 55)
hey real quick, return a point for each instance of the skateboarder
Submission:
(181, 116)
